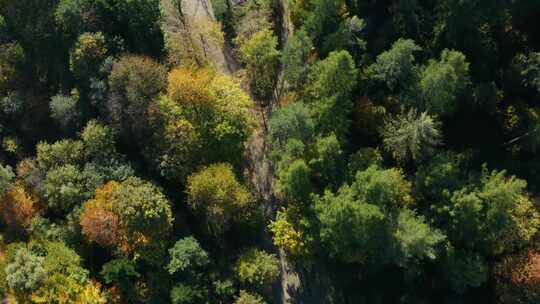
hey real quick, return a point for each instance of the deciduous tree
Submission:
(257, 268)
(215, 192)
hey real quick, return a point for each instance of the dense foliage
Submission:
(269, 151)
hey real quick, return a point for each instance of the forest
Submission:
(270, 151)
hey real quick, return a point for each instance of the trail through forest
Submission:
(259, 168)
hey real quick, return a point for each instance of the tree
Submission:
(141, 212)
(98, 140)
(120, 271)
(215, 192)
(248, 298)
(64, 109)
(208, 114)
(133, 83)
(2, 25)
(17, 208)
(101, 226)
(495, 217)
(261, 57)
(6, 178)
(63, 289)
(331, 82)
(518, 278)
(528, 67)
(12, 104)
(257, 268)
(353, 231)
(395, 67)
(64, 188)
(69, 15)
(294, 180)
(328, 164)
(295, 59)
(411, 135)
(442, 81)
(145, 215)
(87, 55)
(415, 238)
(292, 121)
(11, 57)
(186, 294)
(285, 235)
(25, 273)
(323, 20)
(61, 153)
(187, 255)
(437, 179)
(363, 159)
(461, 270)
(385, 188)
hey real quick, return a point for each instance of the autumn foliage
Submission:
(519, 278)
(100, 226)
(17, 208)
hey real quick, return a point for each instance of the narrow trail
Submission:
(259, 169)
(193, 26)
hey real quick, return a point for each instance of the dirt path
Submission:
(193, 26)
(259, 169)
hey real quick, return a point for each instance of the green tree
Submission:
(261, 57)
(442, 81)
(187, 255)
(99, 143)
(363, 159)
(294, 180)
(64, 109)
(495, 217)
(6, 179)
(386, 188)
(328, 164)
(187, 294)
(528, 67)
(215, 192)
(257, 268)
(461, 270)
(411, 135)
(120, 271)
(145, 214)
(69, 15)
(331, 82)
(133, 83)
(323, 20)
(416, 240)
(25, 273)
(87, 55)
(248, 298)
(64, 188)
(395, 67)
(60, 153)
(437, 179)
(295, 59)
(62, 260)
(292, 121)
(353, 231)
